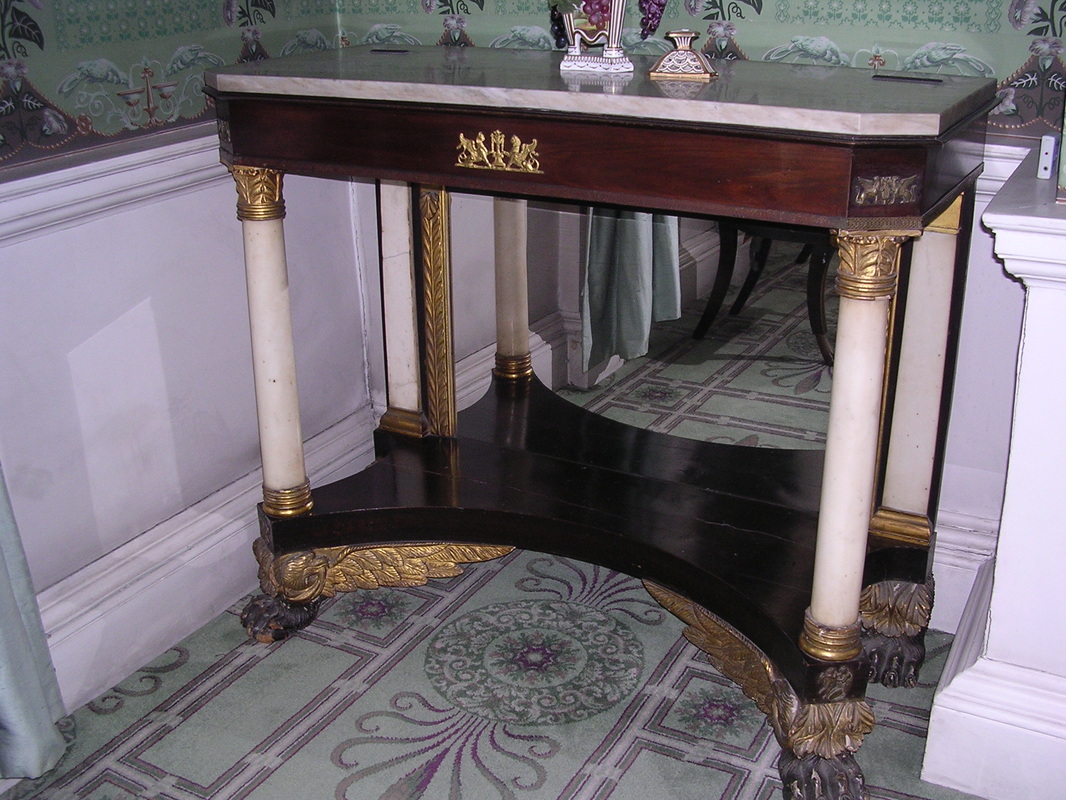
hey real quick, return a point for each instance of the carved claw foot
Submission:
(895, 615)
(816, 778)
(894, 660)
(269, 618)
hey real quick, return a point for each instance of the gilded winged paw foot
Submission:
(270, 618)
(815, 778)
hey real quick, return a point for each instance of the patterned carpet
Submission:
(527, 678)
(755, 379)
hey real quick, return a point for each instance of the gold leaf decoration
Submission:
(830, 729)
(308, 575)
(823, 729)
(475, 153)
(436, 272)
(730, 651)
(259, 193)
(869, 264)
(887, 190)
(896, 608)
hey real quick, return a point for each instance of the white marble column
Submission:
(512, 294)
(866, 281)
(398, 289)
(261, 209)
(903, 515)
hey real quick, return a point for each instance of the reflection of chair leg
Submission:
(816, 277)
(759, 257)
(727, 259)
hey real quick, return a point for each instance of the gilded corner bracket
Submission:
(950, 220)
(436, 275)
(309, 575)
(826, 729)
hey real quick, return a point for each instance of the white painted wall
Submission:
(125, 370)
(997, 727)
(127, 417)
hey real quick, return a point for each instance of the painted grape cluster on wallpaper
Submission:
(79, 73)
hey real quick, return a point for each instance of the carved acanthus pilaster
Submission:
(436, 274)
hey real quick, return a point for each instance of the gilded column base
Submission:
(892, 527)
(513, 368)
(818, 736)
(895, 616)
(288, 502)
(404, 422)
(827, 643)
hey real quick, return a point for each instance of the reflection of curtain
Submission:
(30, 704)
(632, 278)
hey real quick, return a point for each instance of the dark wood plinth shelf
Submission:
(731, 529)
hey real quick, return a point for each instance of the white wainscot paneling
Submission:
(127, 417)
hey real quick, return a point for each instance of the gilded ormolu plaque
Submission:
(496, 154)
(886, 190)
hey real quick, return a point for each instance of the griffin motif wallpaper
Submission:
(76, 74)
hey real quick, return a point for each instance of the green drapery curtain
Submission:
(632, 279)
(30, 703)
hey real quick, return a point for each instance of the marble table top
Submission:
(838, 101)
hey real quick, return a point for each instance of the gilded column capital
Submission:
(869, 263)
(258, 193)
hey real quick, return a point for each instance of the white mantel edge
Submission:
(998, 729)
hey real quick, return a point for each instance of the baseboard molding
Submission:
(964, 545)
(113, 616)
(996, 730)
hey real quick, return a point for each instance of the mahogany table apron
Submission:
(783, 564)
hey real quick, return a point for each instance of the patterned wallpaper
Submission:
(80, 73)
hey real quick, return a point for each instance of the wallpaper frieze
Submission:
(84, 23)
(969, 16)
(79, 73)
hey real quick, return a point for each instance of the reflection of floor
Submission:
(756, 379)
(527, 677)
